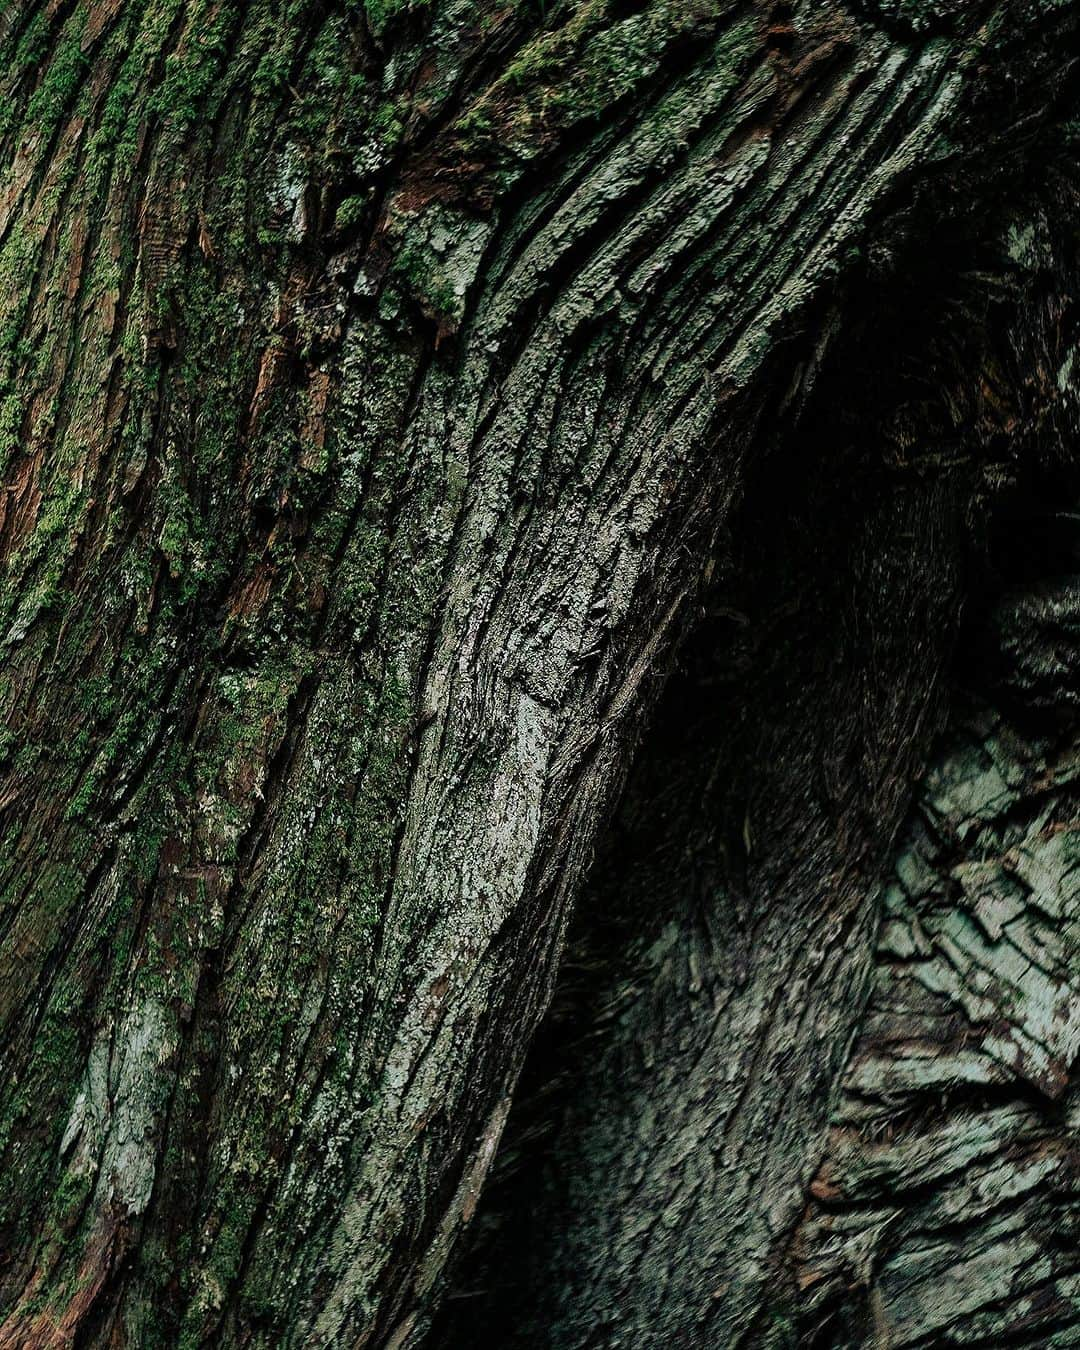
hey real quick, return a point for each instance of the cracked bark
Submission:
(717, 1141)
(385, 390)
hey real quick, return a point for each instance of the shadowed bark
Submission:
(696, 1088)
(383, 391)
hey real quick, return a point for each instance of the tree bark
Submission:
(700, 1154)
(385, 390)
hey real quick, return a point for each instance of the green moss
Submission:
(381, 12)
(423, 273)
(35, 571)
(62, 75)
(580, 70)
(192, 74)
(350, 212)
(118, 741)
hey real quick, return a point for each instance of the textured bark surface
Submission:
(700, 1156)
(383, 390)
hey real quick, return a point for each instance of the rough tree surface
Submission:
(567, 503)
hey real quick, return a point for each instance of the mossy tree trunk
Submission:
(386, 389)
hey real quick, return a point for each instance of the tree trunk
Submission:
(700, 1155)
(386, 391)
